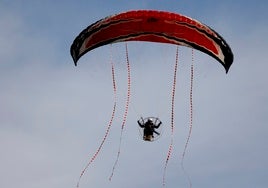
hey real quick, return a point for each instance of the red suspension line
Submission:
(108, 127)
(191, 119)
(172, 114)
(125, 113)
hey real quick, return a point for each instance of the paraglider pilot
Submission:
(149, 129)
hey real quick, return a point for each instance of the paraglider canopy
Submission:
(153, 26)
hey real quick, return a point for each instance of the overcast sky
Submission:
(54, 115)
